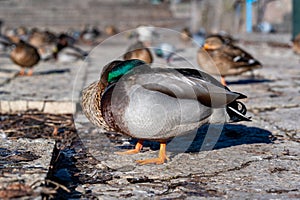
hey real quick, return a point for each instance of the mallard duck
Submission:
(157, 103)
(296, 44)
(219, 56)
(25, 55)
(139, 51)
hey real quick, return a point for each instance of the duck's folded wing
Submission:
(197, 74)
(240, 56)
(171, 82)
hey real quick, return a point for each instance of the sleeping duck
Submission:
(138, 51)
(157, 104)
(220, 57)
(26, 56)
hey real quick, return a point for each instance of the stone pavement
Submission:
(251, 160)
(29, 161)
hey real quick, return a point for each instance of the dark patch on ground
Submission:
(71, 164)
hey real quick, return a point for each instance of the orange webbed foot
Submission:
(30, 72)
(22, 72)
(157, 161)
(162, 157)
(223, 81)
(137, 149)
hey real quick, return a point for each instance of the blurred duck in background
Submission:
(24, 55)
(144, 34)
(22, 33)
(219, 56)
(74, 33)
(111, 30)
(89, 34)
(138, 51)
(186, 35)
(165, 51)
(42, 40)
(296, 44)
(65, 51)
(12, 35)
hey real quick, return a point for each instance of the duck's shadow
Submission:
(48, 72)
(8, 71)
(248, 81)
(210, 137)
(54, 71)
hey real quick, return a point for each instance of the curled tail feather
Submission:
(237, 112)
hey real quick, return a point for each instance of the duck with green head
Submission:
(157, 104)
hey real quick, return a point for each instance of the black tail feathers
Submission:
(237, 111)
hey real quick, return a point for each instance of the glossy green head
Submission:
(123, 68)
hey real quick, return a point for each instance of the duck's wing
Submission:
(194, 73)
(236, 110)
(199, 75)
(239, 56)
(184, 84)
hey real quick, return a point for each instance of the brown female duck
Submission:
(139, 51)
(220, 57)
(157, 103)
(26, 56)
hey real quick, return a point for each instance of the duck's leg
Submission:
(30, 72)
(137, 149)
(223, 81)
(22, 72)
(162, 156)
(252, 75)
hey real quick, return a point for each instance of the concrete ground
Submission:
(248, 160)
